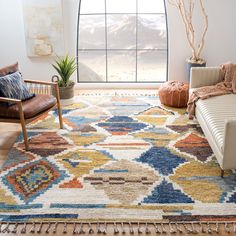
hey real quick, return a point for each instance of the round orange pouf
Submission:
(174, 94)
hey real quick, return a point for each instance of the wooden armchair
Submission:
(24, 112)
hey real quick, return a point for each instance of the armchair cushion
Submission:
(13, 86)
(9, 69)
(31, 107)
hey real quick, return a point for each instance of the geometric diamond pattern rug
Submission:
(118, 158)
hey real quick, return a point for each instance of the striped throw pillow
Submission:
(13, 86)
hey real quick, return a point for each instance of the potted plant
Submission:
(186, 9)
(65, 67)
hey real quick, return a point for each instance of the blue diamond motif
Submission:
(161, 159)
(165, 193)
(120, 125)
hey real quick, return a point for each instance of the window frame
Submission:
(113, 50)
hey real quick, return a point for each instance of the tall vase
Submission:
(193, 64)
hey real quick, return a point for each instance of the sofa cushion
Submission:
(215, 111)
(31, 108)
(9, 69)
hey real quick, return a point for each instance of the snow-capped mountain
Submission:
(121, 32)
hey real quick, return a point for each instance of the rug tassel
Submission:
(75, 231)
(234, 228)
(157, 228)
(139, 229)
(40, 228)
(6, 230)
(178, 228)
(122, 228)
(32, 229)
(191, 228)
(14, 230)
(217, 228)
(209, 228)
(90, 231)
(202, 230)
(189, 231)
(163, 229)
(131, 230)
(99, 231)
(172, 230)
(147, 230)
(104, 228)
(142, 228)
(227, 229)
(23, 230)
(65, 228)
(48, 228)
(195, 231)
(116, 231)
(55, 228)
(81, 230)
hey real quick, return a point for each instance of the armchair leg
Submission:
(59, 106)
(59, 115)
(222, 173)
(22, 121)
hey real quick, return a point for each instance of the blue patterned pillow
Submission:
(13, 86)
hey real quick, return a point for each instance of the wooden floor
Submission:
(8, 134)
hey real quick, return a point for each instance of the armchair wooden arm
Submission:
(39, 82)
(4, 99)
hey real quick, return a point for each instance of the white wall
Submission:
(220, 41)
(12, 39)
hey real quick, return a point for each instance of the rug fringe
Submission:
(118, 227)
(121, 94)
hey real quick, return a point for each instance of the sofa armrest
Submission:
(204, 76)
(229, 151)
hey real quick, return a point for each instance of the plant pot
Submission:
(191, 64)
(66, 92)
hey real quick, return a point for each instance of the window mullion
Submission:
(136, 58)
(77, 43)
(105, 1)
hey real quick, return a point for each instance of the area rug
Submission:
(118, 159)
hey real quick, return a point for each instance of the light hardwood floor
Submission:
(8, 134)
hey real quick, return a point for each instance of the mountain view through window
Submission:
(122, 41)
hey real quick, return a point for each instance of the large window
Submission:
(122, 41)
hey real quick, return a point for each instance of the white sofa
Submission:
(217, 117)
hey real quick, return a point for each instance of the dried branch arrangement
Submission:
(186, 9)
